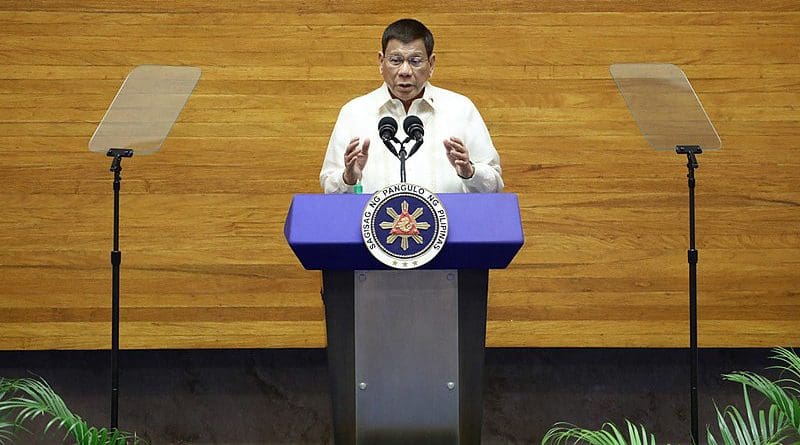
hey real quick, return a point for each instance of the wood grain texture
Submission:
(205, 264)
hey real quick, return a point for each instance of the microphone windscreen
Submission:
(387, 127)
(413, 127)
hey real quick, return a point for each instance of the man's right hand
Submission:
(355, 159)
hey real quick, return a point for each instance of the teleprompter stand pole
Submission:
(116, 260)
(690, 151)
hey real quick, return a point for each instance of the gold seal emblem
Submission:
(404, 226)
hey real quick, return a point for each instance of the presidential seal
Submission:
(404, 226)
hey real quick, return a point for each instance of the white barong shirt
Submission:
(444, 114)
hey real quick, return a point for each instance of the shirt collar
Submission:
(382, 96)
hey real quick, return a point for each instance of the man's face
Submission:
(405, 68)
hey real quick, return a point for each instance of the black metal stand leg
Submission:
(690, 152)
(116, 260)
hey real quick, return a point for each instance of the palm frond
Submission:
(8, 430)
(791, 365)
(771, 428)
(777, 395)
(32, 398)
(608, 434)
(783, 397)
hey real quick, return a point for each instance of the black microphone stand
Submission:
(416, 146)
(690, 151)
(402, 154)
(116, 260)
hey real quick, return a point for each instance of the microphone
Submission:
(387, 127)
(413, 127)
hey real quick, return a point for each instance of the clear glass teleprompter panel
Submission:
(664, 105)
(145, 108)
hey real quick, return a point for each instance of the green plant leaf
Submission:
(785, 402)
(608, 434)
(27, 399)
(762, 428)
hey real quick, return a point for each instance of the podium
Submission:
(405, 347)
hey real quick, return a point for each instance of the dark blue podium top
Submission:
(485, 232)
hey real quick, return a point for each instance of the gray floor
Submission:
(281, 397)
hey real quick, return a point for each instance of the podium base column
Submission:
(405, 353)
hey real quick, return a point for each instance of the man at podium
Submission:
(457, 154)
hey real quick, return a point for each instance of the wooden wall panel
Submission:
(205, 264)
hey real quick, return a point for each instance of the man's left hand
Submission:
(458, 155)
